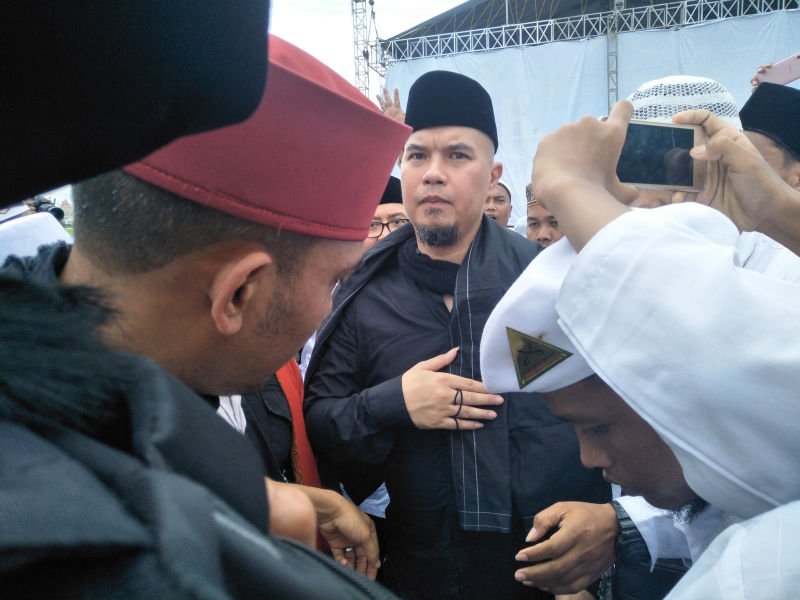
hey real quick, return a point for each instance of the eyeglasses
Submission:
(376, 227)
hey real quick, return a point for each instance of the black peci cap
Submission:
(443, 98)
(393, 193)
(774, 111)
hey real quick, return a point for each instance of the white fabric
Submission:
(230, 409)
(763, 254)
(539, 88)
(755, 560)
(657, 528)
(14, 211)
(702, 349)
(305, 354)
(521, 226)
(23, 236)
(533, 314)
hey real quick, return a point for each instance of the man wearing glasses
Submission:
(389, 214)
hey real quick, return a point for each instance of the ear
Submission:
(793, 175)
(497, 173)
(233, 288)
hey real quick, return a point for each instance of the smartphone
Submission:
(782, 72)
(656, 157)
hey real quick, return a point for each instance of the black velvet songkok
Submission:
(774, 111)
(443, 98)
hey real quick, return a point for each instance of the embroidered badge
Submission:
(533, 357)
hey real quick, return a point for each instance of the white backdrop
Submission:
(537, 89)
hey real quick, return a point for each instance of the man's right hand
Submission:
(443, 401)
(579, 551)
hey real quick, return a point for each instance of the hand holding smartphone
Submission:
(782, 72)
(656, 156)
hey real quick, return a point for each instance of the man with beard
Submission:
(465, 469)
(203, 265)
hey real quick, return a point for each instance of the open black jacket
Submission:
(526, 459)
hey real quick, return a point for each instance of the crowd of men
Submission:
(603, 407)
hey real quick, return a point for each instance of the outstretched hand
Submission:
(443, 401)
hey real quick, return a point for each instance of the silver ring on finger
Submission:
(348, 549)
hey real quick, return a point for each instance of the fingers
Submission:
(543, 522)
(707, 120)
(397, 97)
(621, 113)
(437, 362)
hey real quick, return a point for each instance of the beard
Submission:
(689, 511)
(438, 236)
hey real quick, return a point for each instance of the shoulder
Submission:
(59, 503)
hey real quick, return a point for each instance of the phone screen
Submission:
(657, 155)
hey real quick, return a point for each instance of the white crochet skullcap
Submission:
(660, 99)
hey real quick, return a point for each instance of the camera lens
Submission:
(46, 206)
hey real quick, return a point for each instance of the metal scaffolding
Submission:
(617, 6)
(361, 44)
(659, 16)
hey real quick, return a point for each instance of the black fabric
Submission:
(269, 427)
(393, 194)
(774, 111)
(172, 504)
(437, 276)
(165, 434)
(442, 98)
(382, 324)
(90, 86)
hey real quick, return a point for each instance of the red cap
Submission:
(314, 157)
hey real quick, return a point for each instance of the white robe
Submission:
(657, 294)
(758, 559)
(707, 352)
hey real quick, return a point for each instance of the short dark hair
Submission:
(128, 226)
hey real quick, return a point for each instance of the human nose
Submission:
(545, 234)
(434, 172)
(592, 454)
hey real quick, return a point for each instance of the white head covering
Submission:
(659, 100)
(529, 309)
(658, 306)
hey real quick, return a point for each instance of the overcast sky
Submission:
(324, 28)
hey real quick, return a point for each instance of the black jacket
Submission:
(118, 481)
(356, 416)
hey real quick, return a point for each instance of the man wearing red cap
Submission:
(218, 267)
(465, 470)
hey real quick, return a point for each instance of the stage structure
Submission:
(549, 62)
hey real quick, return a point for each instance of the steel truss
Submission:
(659, 16)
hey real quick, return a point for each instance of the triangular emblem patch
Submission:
(533, 357)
